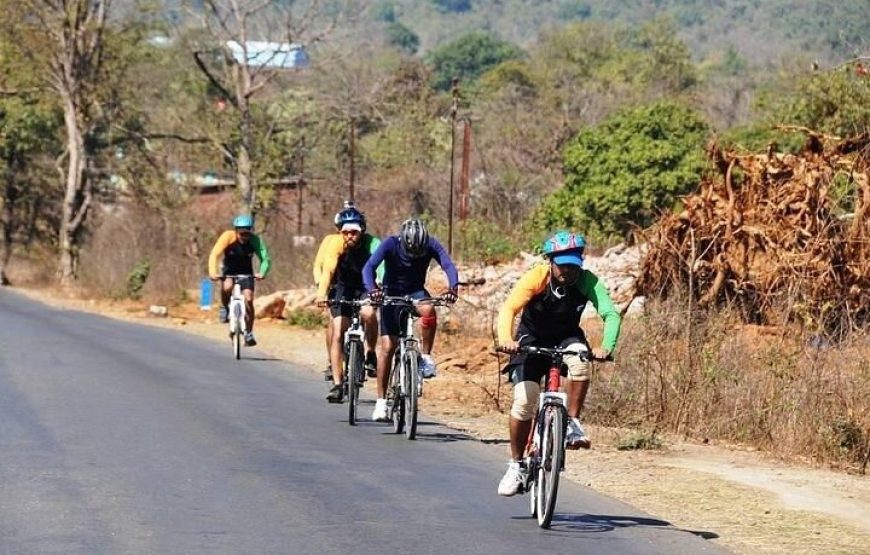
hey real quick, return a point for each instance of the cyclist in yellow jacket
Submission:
(238, 247)
(341, 278)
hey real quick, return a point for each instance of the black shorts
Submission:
(246, 283)
(391, 316)
(531, 368)
(344, 293)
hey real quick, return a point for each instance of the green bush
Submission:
(469, 57)
(136, 280)
(623, 173)
(307, 318)
(402, 38)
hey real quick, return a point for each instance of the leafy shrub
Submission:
(402, 38)
(638, 441)
(136, 279)
(307, 318)
(624, 172)
(468, 57)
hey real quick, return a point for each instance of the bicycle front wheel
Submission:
(394, 394)
(236, 338)
(354, 371)
(411, 378)
(552, 458)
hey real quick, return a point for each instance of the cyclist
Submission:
(406, 259)
(550, 300)
(341, 278)
(238, 247)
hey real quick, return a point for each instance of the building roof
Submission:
(278, 55)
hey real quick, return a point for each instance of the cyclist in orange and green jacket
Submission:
(550, 300)
(238, 247)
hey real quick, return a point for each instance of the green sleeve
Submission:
(373, 246)
(594, 290)
(263, 255)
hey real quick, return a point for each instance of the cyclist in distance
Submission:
(550, 300)
(406, 259)
(238, 247)
(341, 278)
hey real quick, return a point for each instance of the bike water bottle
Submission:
(205, 293)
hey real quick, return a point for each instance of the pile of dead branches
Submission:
(784, 237)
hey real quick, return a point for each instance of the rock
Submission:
(158, 311)
(269, 306)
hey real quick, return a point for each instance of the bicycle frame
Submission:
(354, 335)
(403, 409)
(238, 324)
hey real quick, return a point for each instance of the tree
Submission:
(238, 72)
(28, 127)
(67, 44)
(468, 57)
(402, 38)
(621, 174)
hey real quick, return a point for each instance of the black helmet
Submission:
(414, 237)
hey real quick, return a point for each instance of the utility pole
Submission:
(352, 158)
(299, 185)
(453, 110)
(463, 173)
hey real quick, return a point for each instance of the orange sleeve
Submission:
(533, 282)
(318, 258)
(226, 239)
(329, 262)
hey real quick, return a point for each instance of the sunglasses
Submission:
(350, 232)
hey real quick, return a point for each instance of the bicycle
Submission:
(545, 447)
(353, 373)
(237, 314)
(404, 385)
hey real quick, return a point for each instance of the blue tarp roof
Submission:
(280, 55)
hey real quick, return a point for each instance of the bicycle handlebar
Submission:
(356, 302)
(236, 276)
(410, 301)
(554, 352)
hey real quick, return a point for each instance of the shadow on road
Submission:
(565, 523)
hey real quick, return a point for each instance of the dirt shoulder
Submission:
(743, 500)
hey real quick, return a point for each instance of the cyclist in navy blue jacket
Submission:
(406, 259)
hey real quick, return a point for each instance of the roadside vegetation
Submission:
(129, 137)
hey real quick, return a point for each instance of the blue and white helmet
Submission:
(564, 247)
(243, 221)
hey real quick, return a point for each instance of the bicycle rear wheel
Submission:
(552, 458)
(411, 377)
(354, 370)
(394, 394)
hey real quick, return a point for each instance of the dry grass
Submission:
(709, 378)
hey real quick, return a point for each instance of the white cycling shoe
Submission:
(427, 366)
(576, 438)
(380, 412)
(512, 481)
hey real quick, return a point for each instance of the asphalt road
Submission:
(123, 438)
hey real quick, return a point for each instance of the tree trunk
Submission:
(244, 164)
(76, 198)
(10, 196)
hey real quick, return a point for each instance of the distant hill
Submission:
(761, 31)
